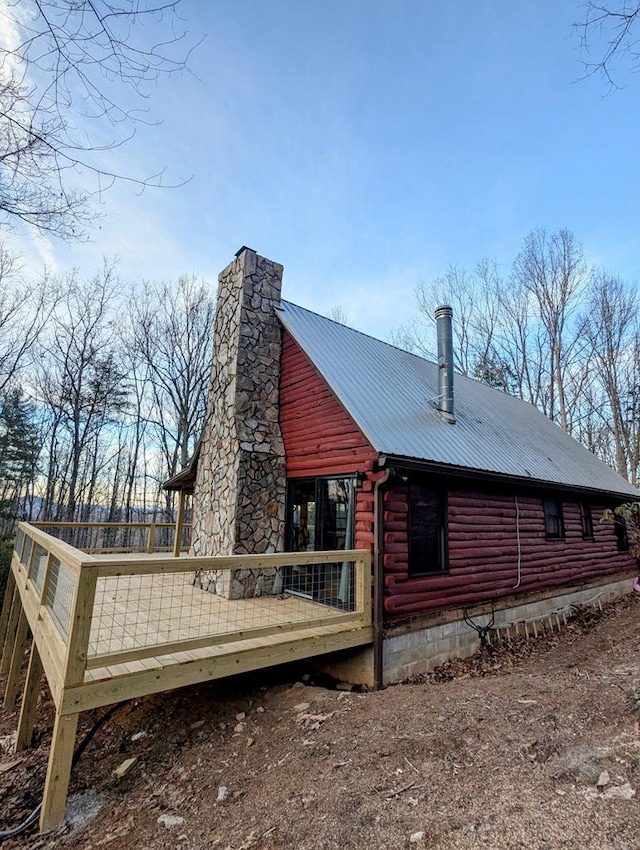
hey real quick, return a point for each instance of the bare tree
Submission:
(74, 70)
(552, 269)
(338, 314)
(607, 34)
(172, 335)
(24, 311)
(81, 383)
(474, 297)
(611, 327)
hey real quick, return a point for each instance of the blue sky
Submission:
(367, 145)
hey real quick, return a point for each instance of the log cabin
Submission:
(480, 512)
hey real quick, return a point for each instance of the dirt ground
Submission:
(534, 745)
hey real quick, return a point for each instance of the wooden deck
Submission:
(109, 627)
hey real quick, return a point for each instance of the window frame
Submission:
(555, 516)
(586, 521)
(620, 530)
(319, 482)
(419, 570)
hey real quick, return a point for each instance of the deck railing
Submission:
(107, 627)
(98, 610)
(110, 537)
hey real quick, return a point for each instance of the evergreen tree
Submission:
(19, 450)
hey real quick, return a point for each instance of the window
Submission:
(427, 530)
(320, 517)
(620, 528)
(586, 521)
(553, 523)
(320, 514)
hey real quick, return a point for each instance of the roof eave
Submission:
(489, 476)
(185, 479)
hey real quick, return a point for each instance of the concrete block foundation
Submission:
(421, 650)
(419, 647)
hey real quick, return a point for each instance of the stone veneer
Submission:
(239, 498)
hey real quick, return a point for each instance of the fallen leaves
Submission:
(313, 721)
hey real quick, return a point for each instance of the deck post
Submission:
(6, 607)
(29, 701)
(58, 770)
(8, 620)
(177, 540)
(363, 589)
(64, 730)
(80, 627)
(151, 537)
(15, 666)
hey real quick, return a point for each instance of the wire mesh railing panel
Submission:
(59, 595)
(26, 552)
(185, 540)
(328, 584)
(38, 566)
(19, 542)
(122, 539)
(140, 612)
(118, 537)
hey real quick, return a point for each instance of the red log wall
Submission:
(483, 552)
(320, 437)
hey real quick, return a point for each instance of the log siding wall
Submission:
(483, 551)
(320, 437)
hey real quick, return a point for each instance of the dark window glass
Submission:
(553, 519)
(320, 514)
(302, 516)
(333, 513)
(620, 527)
(320, 517)
(427, 530)
(586, 520)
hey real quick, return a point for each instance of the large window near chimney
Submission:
(320, 514)
(321, 517)
(427, 530)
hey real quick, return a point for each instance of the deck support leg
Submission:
(15, 607)
(7, 603)
(15, 667)
(29, 701)
(58, 771)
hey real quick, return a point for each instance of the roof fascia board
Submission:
(487, 476)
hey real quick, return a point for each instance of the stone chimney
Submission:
(239, 498)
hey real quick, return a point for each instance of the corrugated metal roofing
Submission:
(389, 393)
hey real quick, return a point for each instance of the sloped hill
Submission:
(503, 751)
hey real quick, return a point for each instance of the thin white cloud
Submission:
(10, 29)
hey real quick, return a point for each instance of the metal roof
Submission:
(389, 393)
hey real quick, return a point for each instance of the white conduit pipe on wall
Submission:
(517, 584)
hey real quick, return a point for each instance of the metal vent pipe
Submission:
(445, 361)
